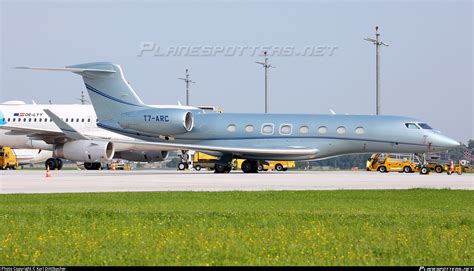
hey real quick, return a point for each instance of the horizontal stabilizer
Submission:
(76, 70)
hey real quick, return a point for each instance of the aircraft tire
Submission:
(219, 168)
(246, 166)
(51, 163)
(59, 162)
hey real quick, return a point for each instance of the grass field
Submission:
(407, 227)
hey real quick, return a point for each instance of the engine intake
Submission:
(85, 151)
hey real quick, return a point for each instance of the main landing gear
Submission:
(54, 163)
(249, 166)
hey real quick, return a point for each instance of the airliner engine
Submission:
(142, 156)
(159, 121)
(85, 151)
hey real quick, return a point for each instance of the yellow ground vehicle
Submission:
(276, 165)
(202, 160)
(385, 162)
(460, 167)
(7, 159)
(267, 165)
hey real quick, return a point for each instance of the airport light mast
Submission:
(377, 42)
(187, 80)
(266, 65)
(83, 98)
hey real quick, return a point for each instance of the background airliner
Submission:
(249, 136)
(27, 126)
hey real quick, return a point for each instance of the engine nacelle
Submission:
(142, 156)
(159, 121)
(85, 151)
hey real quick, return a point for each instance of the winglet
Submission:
(65, 128)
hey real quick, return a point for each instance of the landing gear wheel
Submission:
(407, 169)
(197, 168)
(438, 169)
(91, 166)
(278, 167)
(219, 168)
(59, 163)
(382, 169)
(246, 166)
(182, 166)
(424, 170)
(51, 164)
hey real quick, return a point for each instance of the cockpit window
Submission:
(411, 126)
(425, 126)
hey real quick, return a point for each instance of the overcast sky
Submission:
(426, 72)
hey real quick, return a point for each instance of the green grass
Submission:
(407, 227)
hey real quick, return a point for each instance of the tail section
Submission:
(110, 93)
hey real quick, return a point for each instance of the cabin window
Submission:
(88, 120)
(72, 120)
(267, 128)
(19, 119)
(249, 128)
(285, 129)
(341, 130)
(304, 129)
(411, 126)
(425, 126)
(82, 120)
(360, 130)
(3, 119)
(231, 128)
(8, 119)
(67, 119)
(322, 129)
(40, 119)
(50, 120)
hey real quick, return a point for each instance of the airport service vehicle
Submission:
(7, 159)
(389, 162)
(202, 160)
(27, 126)
(248, 136)
(459, 167)
(276, 165)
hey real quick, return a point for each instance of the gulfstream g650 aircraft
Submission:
(249, 136)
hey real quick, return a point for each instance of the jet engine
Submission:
(85, 151)
(158, 121)
(142, 156)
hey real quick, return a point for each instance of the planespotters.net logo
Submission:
(150, 48)
(446, 268)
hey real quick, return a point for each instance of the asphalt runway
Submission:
(34, 181)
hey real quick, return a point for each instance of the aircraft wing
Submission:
(65, 128)
(30, 130)
(242, 151)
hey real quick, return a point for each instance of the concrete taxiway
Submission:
(34, 181)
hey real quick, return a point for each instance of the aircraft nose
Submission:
(447, 142)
